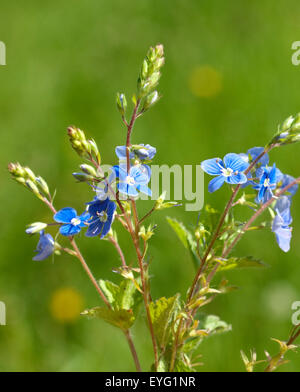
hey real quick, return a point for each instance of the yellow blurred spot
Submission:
(205, 81)
(66, 305)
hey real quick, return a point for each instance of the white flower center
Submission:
(102, 216)
(267, 182)
(130, 180)
(227, 172)
(75, 221)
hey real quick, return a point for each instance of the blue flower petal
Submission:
(65, 215)
(216, 183)
(235, 162)
(69, 229)
(111, 208)
(144, 189)
(106, 228)
(282, 204)
(212, 166)
(95, 229)
(286, 180)
(121, 153)
(140, 174)
(283, 237)
(255, 152)
(147, 152)
(239, 178)
(84, 218)
(45, 247)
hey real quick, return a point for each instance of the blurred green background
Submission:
(227, 83)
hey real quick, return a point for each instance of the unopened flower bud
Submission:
(34, 189)
(43, 186)
(121, 104)
(289, 132)
(35, 227)
(83, 177)
(88, 169)
(150, 100)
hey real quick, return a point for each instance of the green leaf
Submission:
(180, 230)
(186, 238)
(128, 297)
(213, 324)
(240, 262)
(123, 299)
(110, 290)
(122, 318)
(162, 312)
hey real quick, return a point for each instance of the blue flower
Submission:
(102, 215)
(286, 180)
(255, 152)
(72, 223)
(140, 151)
(268, 179)
(45, 246)
(121, 153)
(282, 222)
(147, 152)
(135, 181)
(229, 170)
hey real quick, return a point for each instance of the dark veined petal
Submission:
(212, 166)
(145, 189)
(111, 208)
(235, 162)
(239, 178)
(106, 228)
(69, 229)
(216, 183)
(65, 215)
(261, 194)
(45, 247)
(97, 206)
(95, 228)
(272, 174)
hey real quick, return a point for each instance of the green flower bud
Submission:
(150, 71)
(288, 133)
(150, 100)
(84, 148)
(83, 177)
(34, 189)
(29, 174)
(121, 104)
(43, 186)
(88, 169)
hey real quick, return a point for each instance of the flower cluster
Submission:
(252, 170)
(100, 212)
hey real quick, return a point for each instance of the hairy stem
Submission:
(97, 287)
(119, 250)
